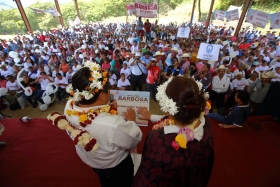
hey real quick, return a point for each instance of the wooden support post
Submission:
(210, 13)
(244, 11)
(58, 9)
(77, 9)
(194, 1)
(23, 15)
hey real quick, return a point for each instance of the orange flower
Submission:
(72, 93)
(113, 112)
(104, 74)
(91, 79)
(96, 90)
(83, 118)
(87, 88)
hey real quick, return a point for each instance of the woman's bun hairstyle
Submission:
(189, 100)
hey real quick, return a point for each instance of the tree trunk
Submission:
(199, 11)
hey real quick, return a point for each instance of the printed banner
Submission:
(53, 12)
(77, 21)
(275, 21)
(37, 11)
(232, 15)
(208, 52)
(257, 18)
(146, 10)
(135, 100)
(130, 8)
(183, 32)
(219, 15)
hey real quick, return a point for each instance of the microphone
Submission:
(112, 98)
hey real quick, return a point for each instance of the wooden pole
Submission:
(244, 11)
(58, 9)
(23, 15)
(77, 9)
(194, 1)
(209, 14)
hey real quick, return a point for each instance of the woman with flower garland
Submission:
(179, 150)
(102, 137)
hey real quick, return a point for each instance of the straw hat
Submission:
(186, 55)
(174, 49)
(221, 67)
(158, 53)
(268, 75)
(2, 64)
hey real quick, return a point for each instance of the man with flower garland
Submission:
(102, 137)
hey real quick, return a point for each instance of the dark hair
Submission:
(243, 96)
(80, 81)
(189, 100)
(58, 74)
(122, 74)
(207, 66)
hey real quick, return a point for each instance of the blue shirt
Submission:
(140, 25)
(238, 115)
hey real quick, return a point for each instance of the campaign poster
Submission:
(219, 15)
(208, 52)
(146, 10)
(183, 32)
(275, 21)
(133, 99)
(257, 18)
(232, 15)
(130, 8)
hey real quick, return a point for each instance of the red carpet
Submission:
(39, 154)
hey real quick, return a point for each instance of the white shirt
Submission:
(122, 84)
(44, 83)
(12, 86)
(6, 73)
(135, 70)
(237, 71)
(276, 75)
(261, 68)
(220, 85)
(54, 73)
(266, 58)
(249, 81)
(62, 81)
(198, 132)
(114, 135)
(130, 40)
(134, 48)
(113, 79)
(75, 69)
(239, 84)
(26, 65)
(32, 75)
(126, 72)
(69, 76)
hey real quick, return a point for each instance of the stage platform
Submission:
(39, 154)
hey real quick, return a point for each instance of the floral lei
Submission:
(81, 138)
(86, 117)
(97, 80)
(167, 104)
